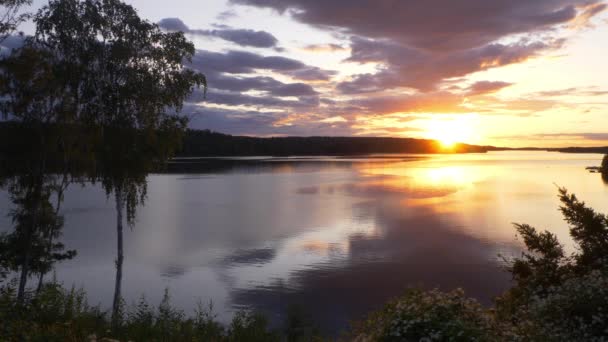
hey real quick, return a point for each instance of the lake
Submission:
(338, 236)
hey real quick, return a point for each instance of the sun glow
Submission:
(451, 131)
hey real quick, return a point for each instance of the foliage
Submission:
(545, 263)
(429, 316)
(559, 297)
(57, 314)
(199, 143)
(300, 325)
(125, 78)
(574, 310)
(11, 16)
(54, 314)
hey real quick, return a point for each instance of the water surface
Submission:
(337, 236)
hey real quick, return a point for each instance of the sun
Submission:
(451, 131)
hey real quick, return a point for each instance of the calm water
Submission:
(338, 236)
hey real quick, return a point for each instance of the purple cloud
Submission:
(485, 87)
(242, 37)
(437, 25)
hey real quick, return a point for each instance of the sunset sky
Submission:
(501, 72)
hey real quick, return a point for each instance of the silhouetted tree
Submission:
(545, 264)
(11, 16)
(53, 232)
(198, 143)
(128, 79)
(37, 223)
(32, 96)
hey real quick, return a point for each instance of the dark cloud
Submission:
(265, 84)
(245, 37)
(173, 24)
(263, 122)
(241, 62)
(437, 25)
(228, 84)
(421, 44)
(573, 91)
(242, 37)
(485, 87)
(423, 70)
(239, 99)
(226, 15)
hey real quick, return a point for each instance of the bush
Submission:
(429, 316)
(558, 297)
(576, 310)
(57, 314)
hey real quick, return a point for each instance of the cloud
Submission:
(486, 87)
(437, 25)
(264, 123)
(242, 62)
(226, 15)
(573, 91)
(421, 44)
(242, 37)
(584, 136)
(423, 70)
(173, 24)
(324, 48)
(239, 99)
(417, 56)
(439, 102)
(268, 85)
(245, 37)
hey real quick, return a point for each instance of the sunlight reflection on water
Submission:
(338, 235)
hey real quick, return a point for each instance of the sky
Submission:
(502, 72)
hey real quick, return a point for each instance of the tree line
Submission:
(200, 143)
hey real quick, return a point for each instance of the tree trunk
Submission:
(25, 266)
(40, 281)
(119, 259)
(49, 244)
(24, 272)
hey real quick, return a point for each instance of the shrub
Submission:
(429, 316)
(57, 314)
(575, 310)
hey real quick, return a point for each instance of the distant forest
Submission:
(203, 143)
(206, 143)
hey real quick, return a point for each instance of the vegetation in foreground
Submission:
(556, 297)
